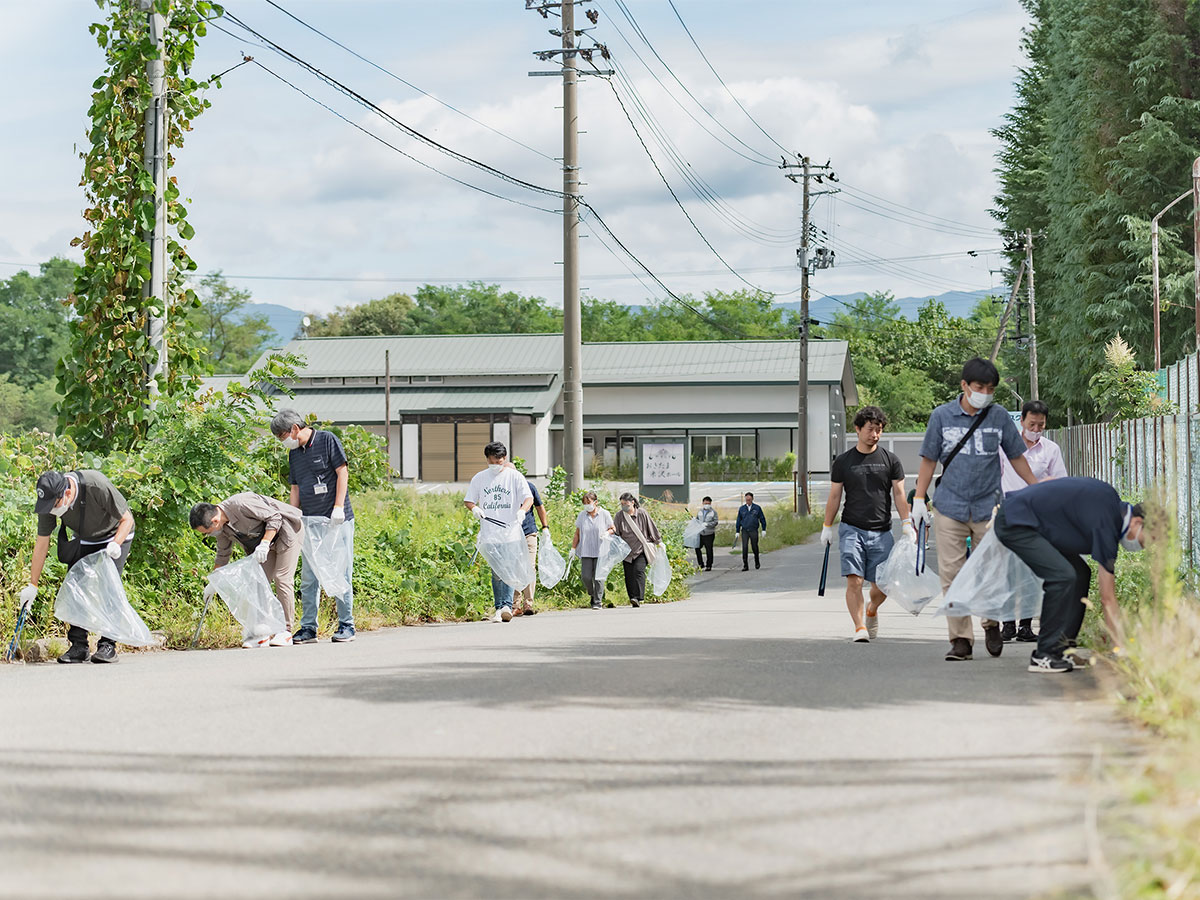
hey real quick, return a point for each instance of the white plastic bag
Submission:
(994, 584)
(612, 550)
(244, 587)
(659, 572)
(508, 555)
(552, 568)
(899, 579)
(691, 533)
(327, 555)
(93, 597)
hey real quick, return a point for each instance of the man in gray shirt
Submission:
(969, 488)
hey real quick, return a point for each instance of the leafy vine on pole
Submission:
(102, 376)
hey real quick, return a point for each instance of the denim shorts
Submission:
(863, 551)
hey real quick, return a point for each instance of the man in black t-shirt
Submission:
(870, 477)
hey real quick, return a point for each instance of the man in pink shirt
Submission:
(1046, 462)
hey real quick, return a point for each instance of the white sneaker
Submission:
(283, 639)
(506, 614)
(873, 626)
(254, 642)
(862, 637)
(498, 618)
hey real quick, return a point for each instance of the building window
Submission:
(715, 446)
(426, 379)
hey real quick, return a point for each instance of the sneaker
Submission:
(1025, 635)
(861, 636)
(1009, 631)
(78, 653)
(992, 639)
(597, 606)
(497, 618)
(106, 652)
(304, 636)
(634, 603)
(873, 626)
(254, 642)
(506, 614)
(282, 639)
(756, 565)
(344, 634)
(960, 650)
(1051, 664)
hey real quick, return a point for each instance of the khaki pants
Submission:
(951, 538)
(280, 569)
(524, 597)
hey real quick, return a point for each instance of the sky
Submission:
(303, 209)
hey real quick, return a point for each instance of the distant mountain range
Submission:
(286, 321)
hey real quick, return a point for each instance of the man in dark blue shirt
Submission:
(749, 517)
(1050, 526)
(320, 483)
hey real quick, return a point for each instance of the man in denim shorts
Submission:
(870, 477)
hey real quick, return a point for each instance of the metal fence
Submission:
(1158, 453)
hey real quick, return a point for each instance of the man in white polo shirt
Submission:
(1046, 461)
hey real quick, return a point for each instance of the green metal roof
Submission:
(368, 406)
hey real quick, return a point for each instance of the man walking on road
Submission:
(749, 517)
(966, 436)
(498, 496)
(523, 599)
(1046, 462)
(707, 517)
(1050, 526)
(870, 476)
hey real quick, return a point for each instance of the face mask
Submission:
(1034, 436)
(628, 507)
(59, 510)
(494, 467)
(980, 400)
(290, 443)
(708, 506)
(589, 507)
(1131, 544)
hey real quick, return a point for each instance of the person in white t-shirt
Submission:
(1046, 462)
(498, 496)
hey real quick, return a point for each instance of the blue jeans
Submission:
(310, 588)
(502, 593)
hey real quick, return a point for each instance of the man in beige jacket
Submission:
(267, 529)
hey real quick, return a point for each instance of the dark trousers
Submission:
(706, 544)
(79, 636)
(1066, 576)
(587, 574)
(749, 539)
(635, 578)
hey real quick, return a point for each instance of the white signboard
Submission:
(663, 463)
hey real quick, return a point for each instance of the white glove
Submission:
(826, 535)
(571, 556)
(209, 592)
(477, 512)
(920, 513)
(546, 529)
(906, 529)
(27, 595)
(261, 551)
(338, 516)
(113, 550)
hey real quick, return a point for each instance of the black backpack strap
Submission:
(979, 417)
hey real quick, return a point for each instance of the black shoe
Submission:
(305, 636)
(960, 650)
(1025, 635)
(745, 568)
(634, 603)
(106, 652)
(597, 606)
(1009, 632)
(756, 564)
(77, 654)
(992, 639)
(1055, 665)
(708, 568)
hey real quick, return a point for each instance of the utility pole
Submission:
(155, 159)
(387, 407)
(1033, 360)
(1196, 241)
(572, 330)
(806, 263)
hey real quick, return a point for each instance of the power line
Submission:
(918, 223)
(852, 190)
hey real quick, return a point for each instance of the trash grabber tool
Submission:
(824, 571)
(200, 624)
(11, 653)
(921, 548)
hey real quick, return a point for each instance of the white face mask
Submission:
(979, 399)
(589, 507)
(495, 467)
(1131, 544)
(1033, 436)
(707, 506)
(59, 510)
(290, 443)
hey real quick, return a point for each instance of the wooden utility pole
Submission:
(572, 328)
(155, 159)
(1196, 241)
(387, 406)
(1033, 360)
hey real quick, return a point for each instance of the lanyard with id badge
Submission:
(320, 487)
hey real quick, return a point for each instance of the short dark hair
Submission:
(1137, 511)
(496, 450)
(979, 369)
(630, 497)
(1035, 408)
(867, 414)
(589, 495)
(709, 499)
(749, 493)
(201, 515)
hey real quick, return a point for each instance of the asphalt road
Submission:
(733, 745)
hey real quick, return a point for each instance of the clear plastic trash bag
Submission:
(659, 572)
(93, 597)
(327, 555)
(691, 533)
(244, 587)
(552, 568)
(508, 555)
(994, 584)
(612, 550)
(898, 578)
